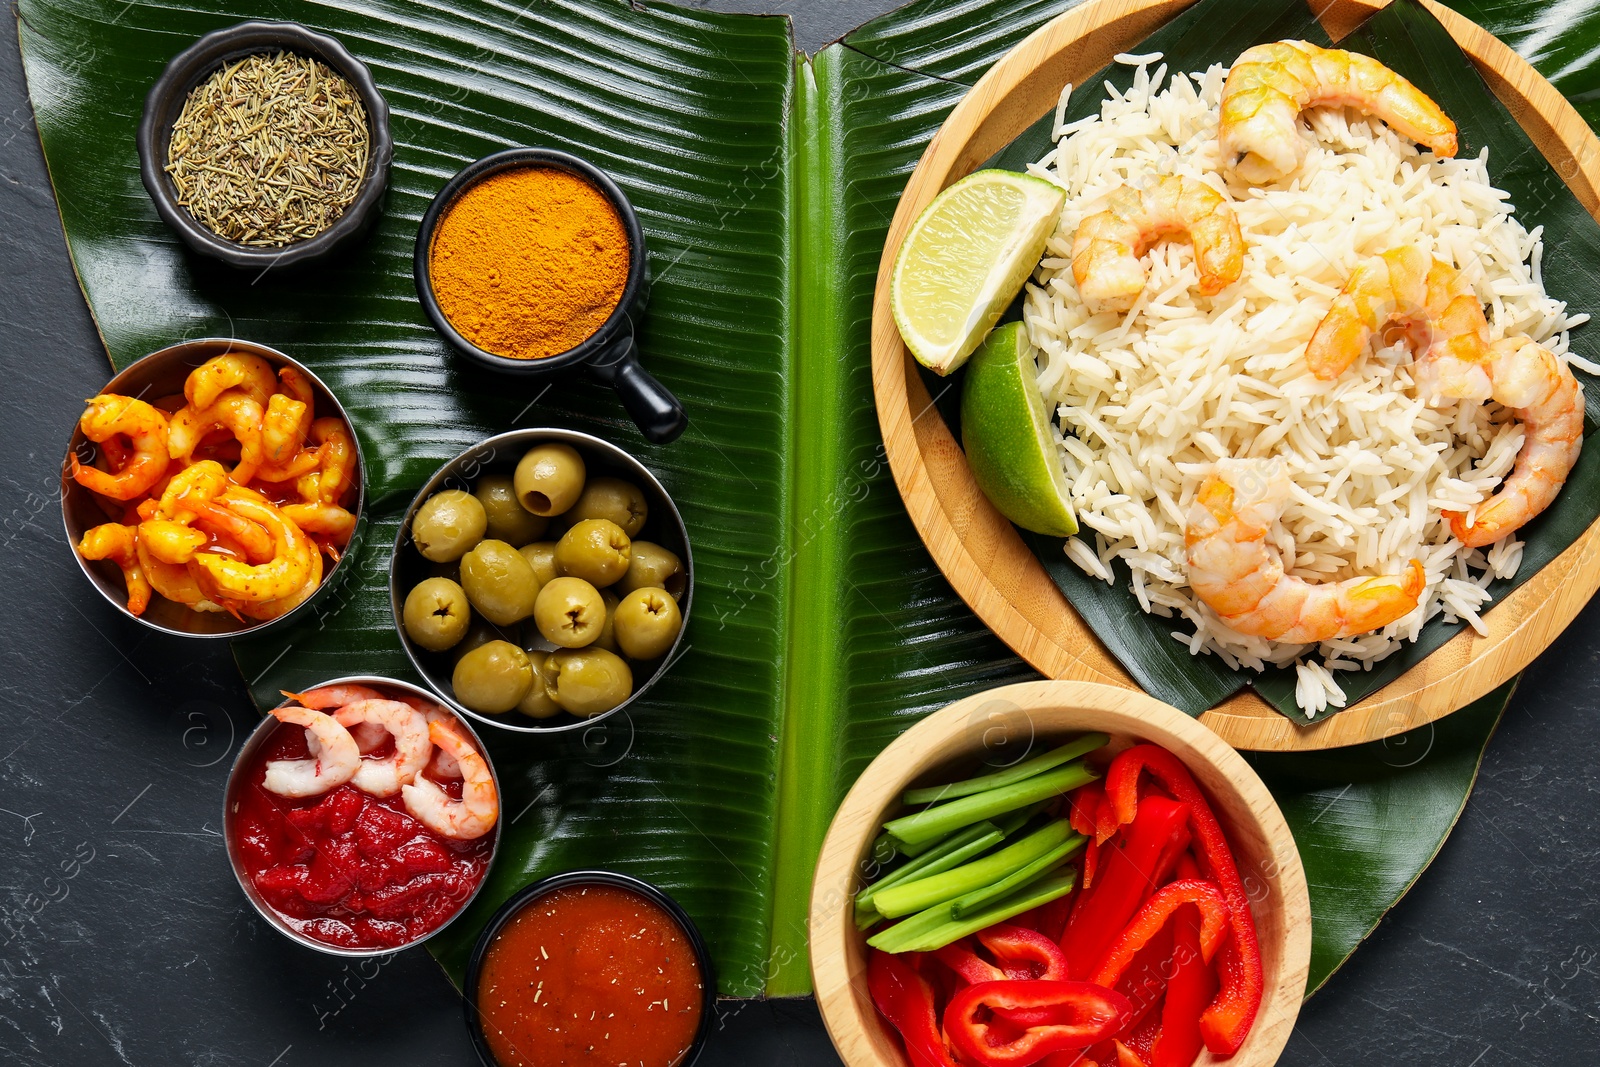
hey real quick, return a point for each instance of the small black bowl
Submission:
(610, 353)
(499, 455)
(198, 62)
(521, 899)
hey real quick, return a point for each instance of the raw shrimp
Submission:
(234, 411)
(110, 416)
(284, 574)
(334, 759)
(1270, 84)
(119, 544)
(1442, 318)
(1233, 570)
(412, 747)
(1106, 250)
(1544, 396)
(475, 813)
(250, 374)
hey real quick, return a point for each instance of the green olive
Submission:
(447, 524)
(549, 479)
(436, 614)
(541, 556)
(608, 634)
(493, 678)
(614, 499)
(508, 519)
(587, 681)
(569, 613)
(595, 550)
(650, 565)
(500, 582)
(480, 633)
(540, 703)
(647, 623)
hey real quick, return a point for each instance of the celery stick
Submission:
(1026, 769)
(955, 849)
(978, 898)
(1013, 821)
(883, 848)
(941, 819)
(934, 929)
(919, 893)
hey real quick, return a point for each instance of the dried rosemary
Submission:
(269, 150)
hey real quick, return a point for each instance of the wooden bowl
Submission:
(947, 744)
(981, 553)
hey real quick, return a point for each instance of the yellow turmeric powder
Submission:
(529, 262)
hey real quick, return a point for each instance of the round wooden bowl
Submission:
(948, 744)
(981, 553)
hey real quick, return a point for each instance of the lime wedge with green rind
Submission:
(965, 260)
(1010, 443)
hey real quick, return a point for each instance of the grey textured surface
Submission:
(123, 938)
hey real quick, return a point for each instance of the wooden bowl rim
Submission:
(847, 1012)
(981, 553)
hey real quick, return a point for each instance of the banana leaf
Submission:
(1406, 38)
(765, 183)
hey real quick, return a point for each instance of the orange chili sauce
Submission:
(594, 975)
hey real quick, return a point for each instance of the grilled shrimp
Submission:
(409, 728)
(1442, 317)
(119, 544)
(1544, 396)
(1106, 250)
(1232, 568)
(1270, 84)
(334, 759)
(475, 813)
(109, 417)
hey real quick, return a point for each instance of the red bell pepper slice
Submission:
(1126, 1057)
(1085, 804)
(1017, 949)
(968, 965)
(1189, 991)
(1227, 1021)
(1214, 925)
(906, 999)
(1081, 1014)
(1128, 874)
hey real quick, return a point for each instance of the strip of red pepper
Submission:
(906, 999)
(968, 965)
(1227, 1021)
(1189, 991)
(1214, 925)
(1017, 949)
(1128, 874)
(1094, 1013)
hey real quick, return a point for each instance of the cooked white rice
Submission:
(1148, 399)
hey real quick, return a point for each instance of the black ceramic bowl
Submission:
(609, 353)
(264, 732)
(162, 374)
(524, 897)
(196, 63)
(499, 455)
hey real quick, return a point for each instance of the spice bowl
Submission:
(609, 351)
(682, 1049)
(191, 67)
(500, 455)
(244, 844)
(162, 374)
(997, 729)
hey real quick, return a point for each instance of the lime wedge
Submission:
(965, 260)
(1010, 443)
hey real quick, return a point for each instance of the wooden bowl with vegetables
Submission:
(1059, 872)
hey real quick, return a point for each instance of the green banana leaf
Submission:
(1408, 39)
(765, 183)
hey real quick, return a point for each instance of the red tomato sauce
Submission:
(593, 975)
(349, 869)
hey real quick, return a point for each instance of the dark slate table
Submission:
(124, 939)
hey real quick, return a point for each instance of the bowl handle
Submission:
(650, 404)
